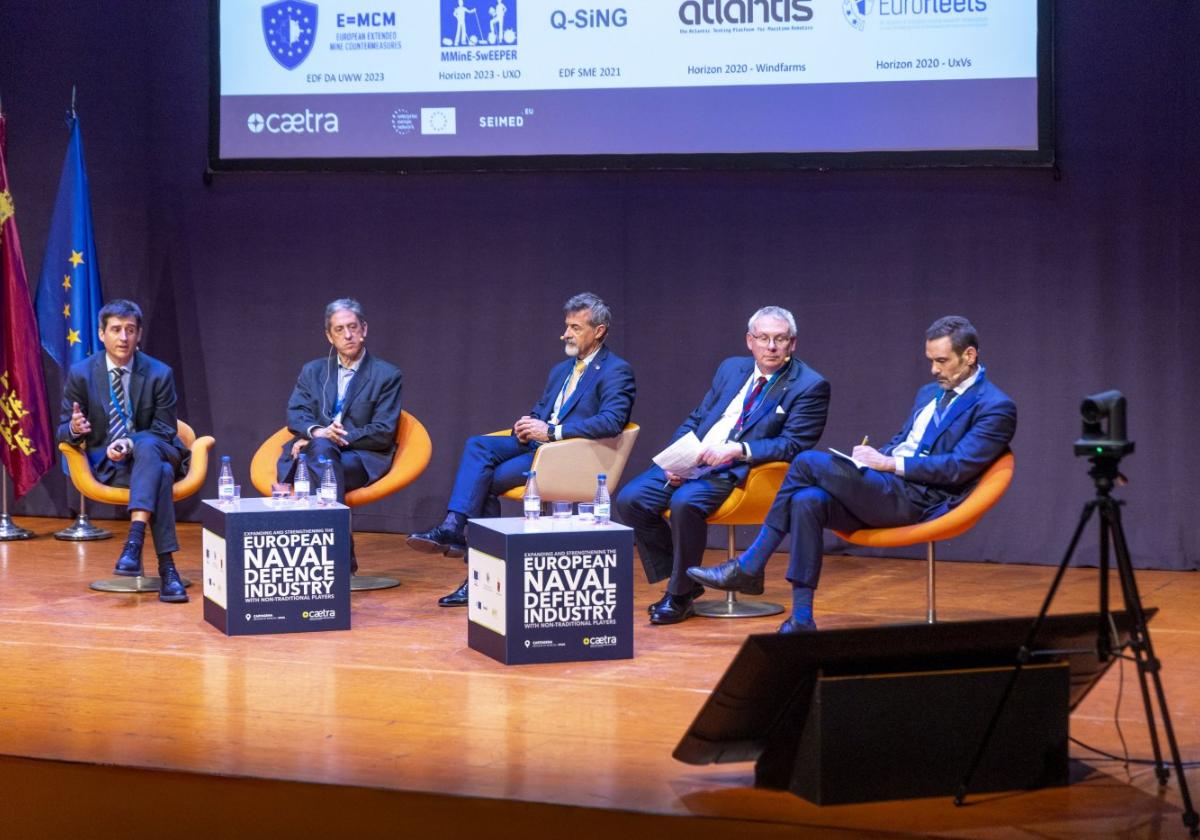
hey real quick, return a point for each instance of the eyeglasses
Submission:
(768, 340)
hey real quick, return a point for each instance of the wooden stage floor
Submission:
(129, 717)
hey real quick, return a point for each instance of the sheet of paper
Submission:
(852, 460)
(683, 457)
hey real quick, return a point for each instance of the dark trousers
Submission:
(348, 467)
(824, 491)
(149, 472)
(669, 549)
(490, 465)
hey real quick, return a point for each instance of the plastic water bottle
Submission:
(328, 483)
(603, 503)
(533, 499)
(225, 481)
(302, 483)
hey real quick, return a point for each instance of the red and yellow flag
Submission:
(26, 436)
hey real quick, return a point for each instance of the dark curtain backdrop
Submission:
(1077, 283)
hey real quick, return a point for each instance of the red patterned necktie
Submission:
(751, 402)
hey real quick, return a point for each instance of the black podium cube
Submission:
(550, 590)
(276, 567)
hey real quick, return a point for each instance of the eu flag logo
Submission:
(290, 29)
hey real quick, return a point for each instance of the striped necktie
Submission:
(751, 402)
(117, 428)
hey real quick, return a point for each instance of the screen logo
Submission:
(856, 12)
(438, 121)
(289, 30)
(473, 23)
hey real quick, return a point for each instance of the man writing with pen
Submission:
(765, 407)
(958, 425)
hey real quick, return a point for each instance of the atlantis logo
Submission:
(720, 12)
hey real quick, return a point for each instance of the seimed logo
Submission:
(599, 641)
(318, 615)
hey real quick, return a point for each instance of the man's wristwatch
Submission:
(550, 427)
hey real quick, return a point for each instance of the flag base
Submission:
(11, 531)
(82, 530)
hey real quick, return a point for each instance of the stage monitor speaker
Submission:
(895, 712)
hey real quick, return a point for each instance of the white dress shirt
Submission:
(908, 447)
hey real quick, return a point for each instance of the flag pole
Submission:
(8, 529)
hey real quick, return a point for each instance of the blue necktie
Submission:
(116, 408)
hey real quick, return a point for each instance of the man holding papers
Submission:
(767, 407)
(958, 426)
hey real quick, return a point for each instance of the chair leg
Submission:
(930, 602)
(731, 607)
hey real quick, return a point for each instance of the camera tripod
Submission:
(1104, 473)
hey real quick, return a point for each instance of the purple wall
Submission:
(1078, 284)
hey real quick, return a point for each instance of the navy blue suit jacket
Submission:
(370, 412)
(975, 432)
(151, 397)
(789, 418)
(601, 403)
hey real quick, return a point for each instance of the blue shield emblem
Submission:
(289, 29)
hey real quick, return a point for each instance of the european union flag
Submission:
(68, 294)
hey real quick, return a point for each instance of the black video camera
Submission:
(1103, 427)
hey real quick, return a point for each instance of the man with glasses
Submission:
(588, 395)
(768, 407)
(959, 424)
(345, 409)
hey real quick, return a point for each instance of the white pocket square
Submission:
(779, 410)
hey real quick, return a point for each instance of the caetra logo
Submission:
(491, 22)
(255, 123)
(856, 12)
(289, 28)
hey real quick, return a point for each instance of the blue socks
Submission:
(755, 558)
(802, 600)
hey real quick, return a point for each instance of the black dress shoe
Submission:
(129, 564)
(439, 540)
(170, 587)
(673, 609)
(696, 592)
(729, 577)
(458, 598)
(792, 625)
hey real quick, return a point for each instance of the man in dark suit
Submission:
(589, 395)
(767, 407)
(120, 406)
(344, 411)
(958, 426)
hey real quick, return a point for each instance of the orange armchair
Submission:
(746, 505)
(80, 470)
(85, 482)
(992, 485)
(413, 451)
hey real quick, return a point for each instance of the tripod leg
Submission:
(1148, 663)
(1023, 654)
